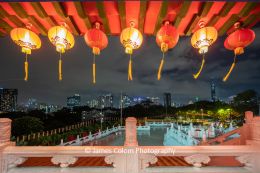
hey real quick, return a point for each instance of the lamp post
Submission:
(101, 121)
(121, 111)
(202, 113)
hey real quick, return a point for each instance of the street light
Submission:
(202, 113)
(101, 121)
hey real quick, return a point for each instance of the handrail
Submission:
(45, 151)
(222, 138)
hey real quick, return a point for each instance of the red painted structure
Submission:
(115, 16)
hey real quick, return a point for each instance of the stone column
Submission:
(130, 132)
(5, 135)
(5, 130)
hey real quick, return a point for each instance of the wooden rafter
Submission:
(5, 26)
(223, 12)
(247, 9)
(231, 21)
(121, 10)
(42, 13)
(203, 11)
(193, 22)
(236, 17)
(161, 16)
(42, 18)
(17, 7)
(102, 15)
(38, 25)
(143, 8)
(183, 11)
(206, 6)
(14, 19)
(3, 13)
(251, 19)
(82, 14)
(22, 13)
(39, 9)
(67, 19)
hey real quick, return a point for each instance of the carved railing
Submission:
(226, 139)
(132, 158)
(137, 160)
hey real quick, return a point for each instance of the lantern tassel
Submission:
(60, 68)
(230, 70)
(130, 76)
(160, 68)
(94, 70)
(26, 69)
(195, 76)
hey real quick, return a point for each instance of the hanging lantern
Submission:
(202, 39)
(28, 40)
(63, 40)
(131, 39)
(237, 41)
(167, 37)
(97, 40)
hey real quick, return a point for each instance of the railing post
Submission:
(130, 132)
(5, 131)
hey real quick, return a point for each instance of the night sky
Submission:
(180, 64)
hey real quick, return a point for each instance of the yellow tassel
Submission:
(160, 70)
(26, 66)
(229, 72)
(94, 73)
(195, 76)
(60, 69)
(231, 69)
(130, 77)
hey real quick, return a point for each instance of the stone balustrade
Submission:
(132, 158)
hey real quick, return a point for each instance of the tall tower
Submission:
(213, 91)
(8, 99)
(167, 99)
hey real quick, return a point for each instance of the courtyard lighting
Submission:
(27, 40)
(202, 39)
(63, 40)
(131, 38)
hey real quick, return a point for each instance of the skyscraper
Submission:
(73, 101)
(126, 101)
(8, 99)
(105, 101)
(167, 99)
(213, 91)
(109, 100)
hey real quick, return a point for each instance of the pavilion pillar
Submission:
(130, 132)
(5, 131)
(250, 131)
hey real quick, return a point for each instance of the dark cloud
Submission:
(180, 63)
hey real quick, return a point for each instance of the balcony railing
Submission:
(132, 158)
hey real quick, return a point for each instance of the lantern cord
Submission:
(94, 69)
(130, 76)
(195, 76)
(231, 69)
(26, 68)
(60, 68)
(160, 68)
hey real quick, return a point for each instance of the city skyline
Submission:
(180, 64)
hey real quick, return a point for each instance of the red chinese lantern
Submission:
(237, 41)
(167, 37)
(97, 40)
